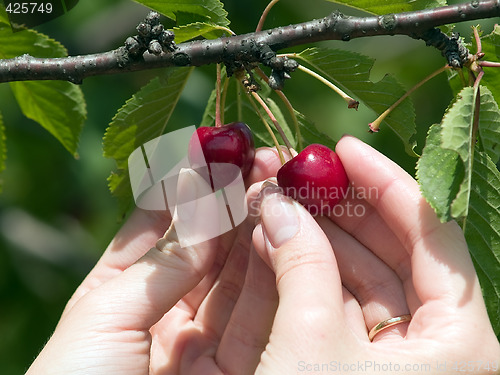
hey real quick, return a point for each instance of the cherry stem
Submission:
(351, 103)
(260, 25)
(375, 125)
(223, 99)
(478, 79)
(274, 120)
(226, 29)
(295, 120)
(289, 107)
(479, 47)
(218, 120)
(489, 64)
(264, 121)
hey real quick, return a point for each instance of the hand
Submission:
(142, 311)
(318, 305)
(383, 253)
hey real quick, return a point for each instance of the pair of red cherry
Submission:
(315, 177)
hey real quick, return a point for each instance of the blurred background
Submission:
(56, 213)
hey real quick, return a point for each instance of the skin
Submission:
(284, 291)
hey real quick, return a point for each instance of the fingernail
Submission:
(268, 187)
(280, 219)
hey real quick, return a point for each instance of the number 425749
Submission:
(28, 8)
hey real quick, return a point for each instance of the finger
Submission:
(266, 164)
(376, 287)
(135, 237)
(146, 290)
(307, 278)
(248, 329)
(353, 315)
(363, 222)
(217, 306)
(442, 270)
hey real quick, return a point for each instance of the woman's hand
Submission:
(284, 293)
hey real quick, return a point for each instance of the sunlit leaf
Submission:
(482, 231)
(389, 6)
(489, 125)
(209, 11)
(144, 117)
(194, 30)
(27, 41)
(58, 106)
(440, 173)
(491, 49)
(456, 135)
(351, 71)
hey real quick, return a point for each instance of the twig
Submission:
(247, 49)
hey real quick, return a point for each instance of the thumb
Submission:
(138, 297)
(307, 276)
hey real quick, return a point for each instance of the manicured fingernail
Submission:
(280, 219)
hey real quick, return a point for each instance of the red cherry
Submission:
(316, 178)
(221, 146)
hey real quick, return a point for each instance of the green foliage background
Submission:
(56, 212)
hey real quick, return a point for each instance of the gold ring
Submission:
(388, 323)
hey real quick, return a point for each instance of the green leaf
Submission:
(489, 125)
(389, 6)
(351, 71)
(205, 11)
(482, 231)
(440, 173)
(144, 117)
(3, 148)
(491, 49)
(310, 134)
(194, 30)
(4, 19)
(447, 159)
(27, 41)
(456, 135)
(58, 106)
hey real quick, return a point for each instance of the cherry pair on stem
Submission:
(315, 177)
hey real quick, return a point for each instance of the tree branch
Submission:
(258, 47)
